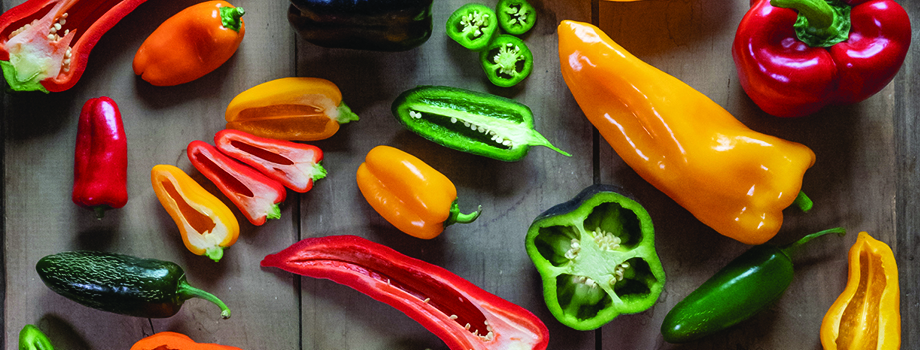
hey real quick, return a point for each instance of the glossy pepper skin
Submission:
(32, 338)
(100, 172)
(439, 300)
(596, 256)
(256, 195)
(121, 284)
(470, 121)
(190, 44)
(294, 108)
(409, 193)
(206, 224)
(376, 25)
(867, 314)
(176, 341)
(473, 26)
(788, 75)
(295, 165)
(745, 287)
(33, 62)
(733, 179)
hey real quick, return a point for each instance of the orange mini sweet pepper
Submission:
(735, 180)
(409, 193)
(294, 108)
(175, 341)
(867, 314)
(206, 224)
(190, 44)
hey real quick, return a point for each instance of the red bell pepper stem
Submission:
(100, 170)
(819, 24)
(463, 315)
(256, 195)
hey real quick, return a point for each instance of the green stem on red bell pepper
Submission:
(596, 256)
(820, 23)
(32, 338)
(516, 16)
(470, 121)
(506, 61)
(473, 26)
(746, 286)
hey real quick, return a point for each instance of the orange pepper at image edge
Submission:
(190, 44)
(410, 194)
(206, 224)
(867, 315)
(175, 341)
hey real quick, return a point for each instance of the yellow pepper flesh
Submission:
(866, 316)
(735, 180)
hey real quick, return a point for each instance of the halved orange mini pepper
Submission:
(409, 193)
(733, 179)
(206, 224)
(190, 44)
(294, 108)
(867, 315)
(175, 341)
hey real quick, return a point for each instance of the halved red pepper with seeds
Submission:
(255, 194)
(44, 44)
(296, 165)
(463, 315)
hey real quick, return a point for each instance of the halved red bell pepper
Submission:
(44, 44)
(796, 56)
(255, 194)
(463, 315)
(100, 169)
(296, 165)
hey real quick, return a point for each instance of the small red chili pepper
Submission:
(100, 172)
(44, 44)
(293, 164)
(463, 315)
(255, 194)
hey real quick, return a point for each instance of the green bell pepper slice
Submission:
(507, 61)
(32, 338)
(516, 16)
(473, 26)
(596, 256)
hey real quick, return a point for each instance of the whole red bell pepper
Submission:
(796, 56)
(44, 44)
(463, 315)
(296, 165)
(256, 195)
(100, 171)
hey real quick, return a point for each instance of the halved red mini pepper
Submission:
(256, 195)
(296, 165)
(100, 171)
(463, 315)
(796, 56)
(44, 44)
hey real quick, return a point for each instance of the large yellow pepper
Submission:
(206, 224)
(867, 315)
(735, 180)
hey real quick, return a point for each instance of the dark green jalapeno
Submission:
(470, 121)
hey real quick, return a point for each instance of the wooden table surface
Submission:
(865, 179)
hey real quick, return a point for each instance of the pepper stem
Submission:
(456, 216)
(821, 23)
(803, 202)
(230, 17)
(186, 291)
(274, 212)
(215, 253)
(99, 212)
(792, 247)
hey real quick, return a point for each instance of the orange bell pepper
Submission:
(295, 108)
(190, 44)
(206, 224)
(410, 194)
(733, 179)
(175, 341)
(867, 315)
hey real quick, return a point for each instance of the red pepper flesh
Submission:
(463, 315)
(51, 54)
(100, 171)
(296, 165)
(256, 195)
(788, 78)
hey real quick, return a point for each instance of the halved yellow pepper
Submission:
(867, 315)
(295, 108)
(206, 224)
(733, 179)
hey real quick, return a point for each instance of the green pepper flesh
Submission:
(473, 26)
(506, 61)
(516, 16)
